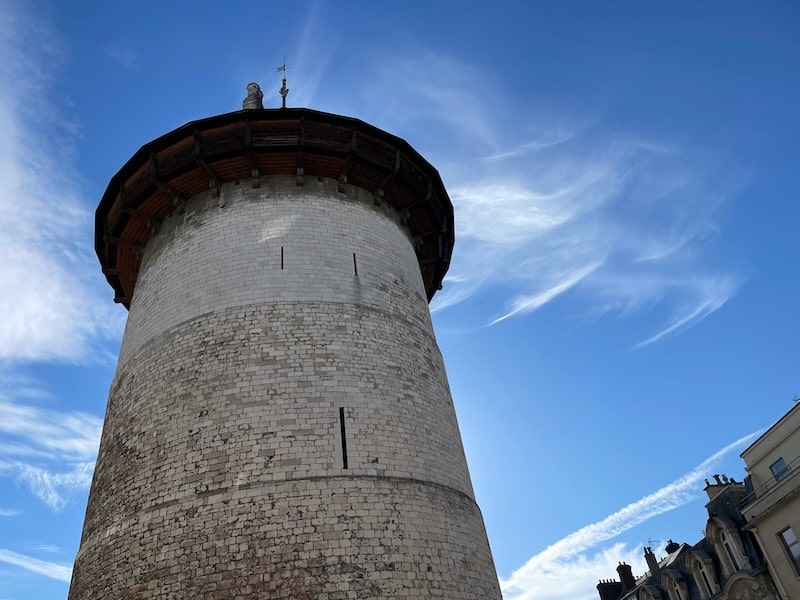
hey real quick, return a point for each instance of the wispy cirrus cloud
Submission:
(308, 63)
(576, 578)
(706, 295)
(565, 562)
(9, 512)
(55, 434)
(45, 548)
(125, 56)
(542, 141)
(50, 295)
(50, 301)
(558, 204)
(49, 451)
(51, 486)
(526, 304)
(48, 569)
(429, 94)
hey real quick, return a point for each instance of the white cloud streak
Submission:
(526, 304)
(126, 57)
(8, 512)
(568, 553)
(52, 297)
(429, 94)
(50, 451)
(46, 548)
(546, 140)
(50, 301)
(576, 578)
(35, 565)
(54, 434)
(52, 487)
(568, 208)
(28, 428)
(309, 62)
(711, 294)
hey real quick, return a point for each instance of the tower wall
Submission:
(280, 424)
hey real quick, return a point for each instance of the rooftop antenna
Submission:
(284, 91)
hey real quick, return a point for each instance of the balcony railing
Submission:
(773, 482)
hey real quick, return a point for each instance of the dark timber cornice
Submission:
(204, 154)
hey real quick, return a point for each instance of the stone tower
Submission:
(280, 424)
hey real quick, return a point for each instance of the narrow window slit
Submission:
(355, 264)
(344, 439)
(281, 258)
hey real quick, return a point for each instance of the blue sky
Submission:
(620, 314)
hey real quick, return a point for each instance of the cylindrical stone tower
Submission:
(280, 424)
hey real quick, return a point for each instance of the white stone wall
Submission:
(210, 257)
(221, 470)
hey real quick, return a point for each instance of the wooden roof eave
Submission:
(385, 165)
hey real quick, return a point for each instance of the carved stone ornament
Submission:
(748, 589)
(254, 97)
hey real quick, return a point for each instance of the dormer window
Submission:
(702, 569)
(706, 578)
(677, 592)
(649, 592)
(727, 543)
(724, 535)
(673, 582)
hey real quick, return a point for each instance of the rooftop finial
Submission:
(254, 97)
(284, 90)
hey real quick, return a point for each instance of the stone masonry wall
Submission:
(281, 433)
(274, 243)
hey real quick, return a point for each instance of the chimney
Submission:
(652, 563)
(609, 589)
(625, 573)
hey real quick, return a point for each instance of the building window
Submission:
(728, 545)
(674, 583)
(709, 589)
(727, 542)
(779, 469)
(706, 589)
(648, 593)
(702, 570)
(792, 547)
(677, 592)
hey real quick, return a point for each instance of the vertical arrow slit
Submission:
(344, 438)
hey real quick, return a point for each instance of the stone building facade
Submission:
(726, 564)
(772, 505)
(280, 424)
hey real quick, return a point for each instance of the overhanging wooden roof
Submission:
(206, 153)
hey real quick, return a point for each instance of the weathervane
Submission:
(284, 91)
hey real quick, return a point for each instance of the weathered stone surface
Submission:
(260, 319)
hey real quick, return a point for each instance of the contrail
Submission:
(675, 494)
(48, 569)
